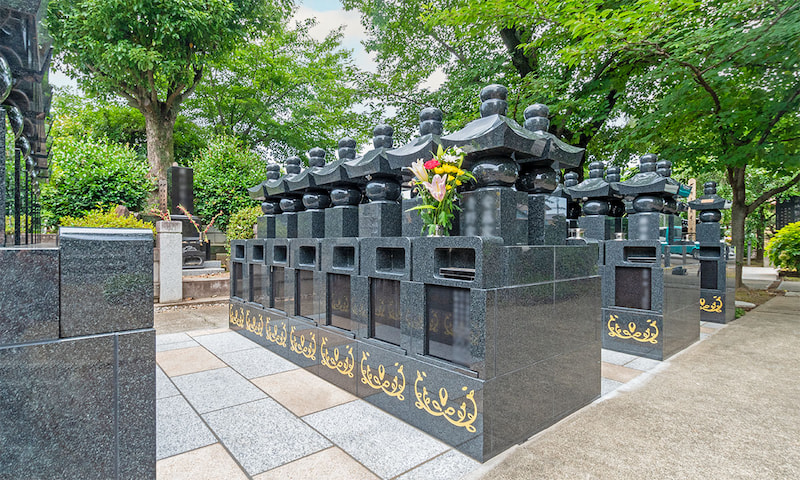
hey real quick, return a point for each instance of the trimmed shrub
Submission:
(89, 174)
(222, 174)
(241, 224)
(784, 248)
(106, 219)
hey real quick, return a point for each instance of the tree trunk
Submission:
(762, 222)
(160, 148)
(736, 176)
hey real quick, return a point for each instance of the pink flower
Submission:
(432, 163)
(437, 187)
(418, 169)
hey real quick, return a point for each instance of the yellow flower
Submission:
(449, 187)
(458, 183)
(438, 170)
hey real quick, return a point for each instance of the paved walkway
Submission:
(230, 409)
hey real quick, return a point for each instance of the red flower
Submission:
(432, 163)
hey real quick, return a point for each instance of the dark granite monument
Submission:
(717, 293)
(77, 357)
(460, 336)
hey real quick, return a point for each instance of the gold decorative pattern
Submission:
(253, 325)
(300, 347)
(343, 366)
(438, 408)
(715, 307)
(379, 381)
(271, 333)
(647, 336)
(236, 316)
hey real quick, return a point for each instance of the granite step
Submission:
(194, 272)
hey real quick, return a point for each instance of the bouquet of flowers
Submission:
(436, 182)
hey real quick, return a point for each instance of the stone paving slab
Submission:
(215, 389)
(329, 464)
(263, 435)
(384, 444)
(451, 465)
(187, 360)
(179, 428)
(302, 392)
(175, 346)
(226, 342)
(256, 362)
(207, 463)
(164, 387)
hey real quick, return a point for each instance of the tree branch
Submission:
(448, 47)
(789, 105)
(771, 193)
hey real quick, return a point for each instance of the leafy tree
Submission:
(92, 173)
(222, 174)
(241, 224)
(284, 92)
(784, 247)
(152, 53)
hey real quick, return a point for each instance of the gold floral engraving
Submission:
(715, 307)
(309, 351)
(272, 334)
(647, 336)
(438, 408)
(341, 304)
(253, 325)
(236, 316)
(343, 366)
(379, 380)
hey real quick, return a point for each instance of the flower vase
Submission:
(438, 231)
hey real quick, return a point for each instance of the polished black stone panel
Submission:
(286, 225)
(339, 353)
(341, 255)
(341, 221)
(304, 296)
(106, 280)
(547, 220)
(311, 224)
(495, 212)
(278, 290)
(259, 287)
(238, 288)
(265, 226)
(339, 308)
(530, 264)
(79, 408)
(137, 404)
(448, 323)
(30, 295)
(597, 227)
(385, 311)
(386, 258)
(637, 332)
(526, 324)
(577, 305)
(644, 226)
(633, 287)
(708, 233)
(577, 379)
(575, 261)
(412, 221)
(681, 312)
(478, 262)
(380, 219)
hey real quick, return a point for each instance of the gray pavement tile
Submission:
(712, 325)
(263, 435)
(617, 358)
(643, 364)
(164, 387)
(219, 343)
(381, 442)
(215, 389)
(178, 428)
(168, 338)
(256, 362)
(607, 386)
(176, 346)
(450, 466)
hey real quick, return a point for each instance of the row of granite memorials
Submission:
(488, 336)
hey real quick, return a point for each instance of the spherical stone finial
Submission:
(613, 174)
(430, 121)
(273, 171)
(647, 162)
(664, 168)
(536, 118)
(493, 100)
(347, 148)
(6, 79)
(29, 164)
(15, 119)
(316, 157)
(570, 179)
(293, 165)
(23, 145)
(382, 136)
(596, 169)
(710, 188)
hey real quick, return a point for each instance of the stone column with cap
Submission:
(717, 294)
(270, 207)
(648, 201)
(341, 220)
(547, 210)
(311, 221)
(290, 204)
(601, 202)
(382, 216)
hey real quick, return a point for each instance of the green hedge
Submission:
(784, 248)
(241, 224)
(106, 219)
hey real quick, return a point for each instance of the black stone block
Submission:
(526, 324)
(478, 262)
(341, 221)
(379, 219)
(547, 220)
(597, 227)
(286, 225)
(412, 221)
(386, 258)
(341, 255)
(265, 226)
(106, 280)
(644, 226)
(137, 404)
(530, 264)
(495, 212)
(576, 261)
(311, 224)
(30, 295)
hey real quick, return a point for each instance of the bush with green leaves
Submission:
(106, 219)
(784, 248)
(87, 174)
(9, 227)
(241, 224)
(223, 172)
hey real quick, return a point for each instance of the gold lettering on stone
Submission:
(459, 417)
(393, 387)
(646, 336)
(715, 307)
(343, 366)
(300, 347)
(236, 316)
